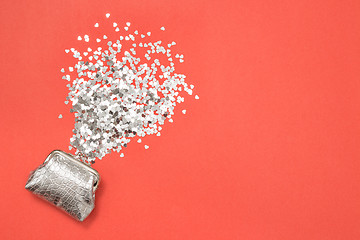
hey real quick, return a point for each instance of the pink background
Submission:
(270, 151)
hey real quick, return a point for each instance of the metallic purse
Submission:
(65, 182)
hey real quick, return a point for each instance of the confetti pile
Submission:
(117, 94)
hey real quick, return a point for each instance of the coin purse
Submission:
(67, 183)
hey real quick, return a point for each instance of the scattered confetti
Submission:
(96, 25)
(196, 97)
(117, 93)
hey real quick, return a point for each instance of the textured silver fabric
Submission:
(67, 183)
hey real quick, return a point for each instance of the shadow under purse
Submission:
(65, 182)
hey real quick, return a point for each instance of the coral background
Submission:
(270, 151)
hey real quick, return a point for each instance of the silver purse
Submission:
(65, 182)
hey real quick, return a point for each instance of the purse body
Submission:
(65, 182)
